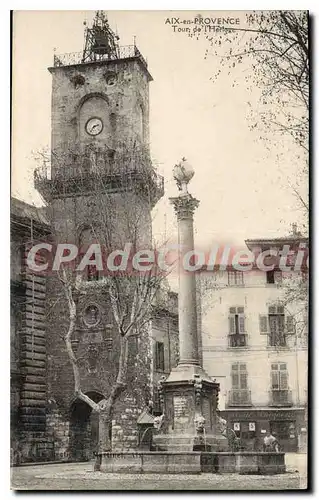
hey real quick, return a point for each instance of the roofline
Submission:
(40, 226)
(271, 241)
(52, 69)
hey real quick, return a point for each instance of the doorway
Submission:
(84, 429)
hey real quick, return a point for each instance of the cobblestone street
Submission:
(81, 476)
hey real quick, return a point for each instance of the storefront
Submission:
(252, 425)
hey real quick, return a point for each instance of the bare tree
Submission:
(275, 44)
(112, 222)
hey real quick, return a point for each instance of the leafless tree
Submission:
(275, 44)
(111, 223)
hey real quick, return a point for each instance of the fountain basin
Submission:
(193, 462)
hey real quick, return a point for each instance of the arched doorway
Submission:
(84, 428)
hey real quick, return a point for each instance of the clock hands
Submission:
(94, 126)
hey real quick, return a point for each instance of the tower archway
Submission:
(84, 428)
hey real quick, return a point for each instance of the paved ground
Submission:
(81, 476)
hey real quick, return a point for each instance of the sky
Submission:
(242, 187)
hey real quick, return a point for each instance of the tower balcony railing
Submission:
(72, 178)
(239, 397)
(280, 397)
(74, 58)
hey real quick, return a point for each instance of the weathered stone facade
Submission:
(28, 347)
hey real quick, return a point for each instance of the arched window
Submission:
(87, 236)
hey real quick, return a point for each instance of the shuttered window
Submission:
(279, 377)
(236, 320)
(277, 325)
(239, 376)
(235, 278)
(159, 356)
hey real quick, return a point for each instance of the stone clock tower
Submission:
(101, 173)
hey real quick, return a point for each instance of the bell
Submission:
(99, 48)
(101, 43)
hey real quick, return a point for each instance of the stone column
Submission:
(189, 397)
(185, 206)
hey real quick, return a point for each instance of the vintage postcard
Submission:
(159, 250)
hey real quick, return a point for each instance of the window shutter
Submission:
(243, 380)
(235, 380)
(159, 355)
(263, 324)
(156, 355)
(240, 278)
(232, 324)
(231, 278)
(290, 325)
(162, 366)
(283, 380)
(275, 379)
(241, 321)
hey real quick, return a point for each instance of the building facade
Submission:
(27, 333)
(255, 344)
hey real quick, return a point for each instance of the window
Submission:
(237, 336)
(282, 429)
(92, 273)
(276, 325)
(277, 329)
(239, 376)
(239, 394)
(86, 238)
(159, 356)
(270, 277)
(235, 278)
(279, 377)
(273, 277)
(280, 394)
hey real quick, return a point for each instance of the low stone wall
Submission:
(150, 462)
(192, 462)
(243, 462)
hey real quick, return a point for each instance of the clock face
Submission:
(94, 126)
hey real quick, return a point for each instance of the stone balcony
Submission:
(280, 398)
(239, 397)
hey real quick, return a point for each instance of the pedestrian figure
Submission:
(271, 443)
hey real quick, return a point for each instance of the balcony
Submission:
(83, 178)
(238, 340)
(239, 397)
(280, 397)
(75, 58)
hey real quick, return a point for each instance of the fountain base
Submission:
(194, 462)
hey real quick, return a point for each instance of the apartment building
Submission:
(254, 335)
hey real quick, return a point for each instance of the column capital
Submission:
(184, 206)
